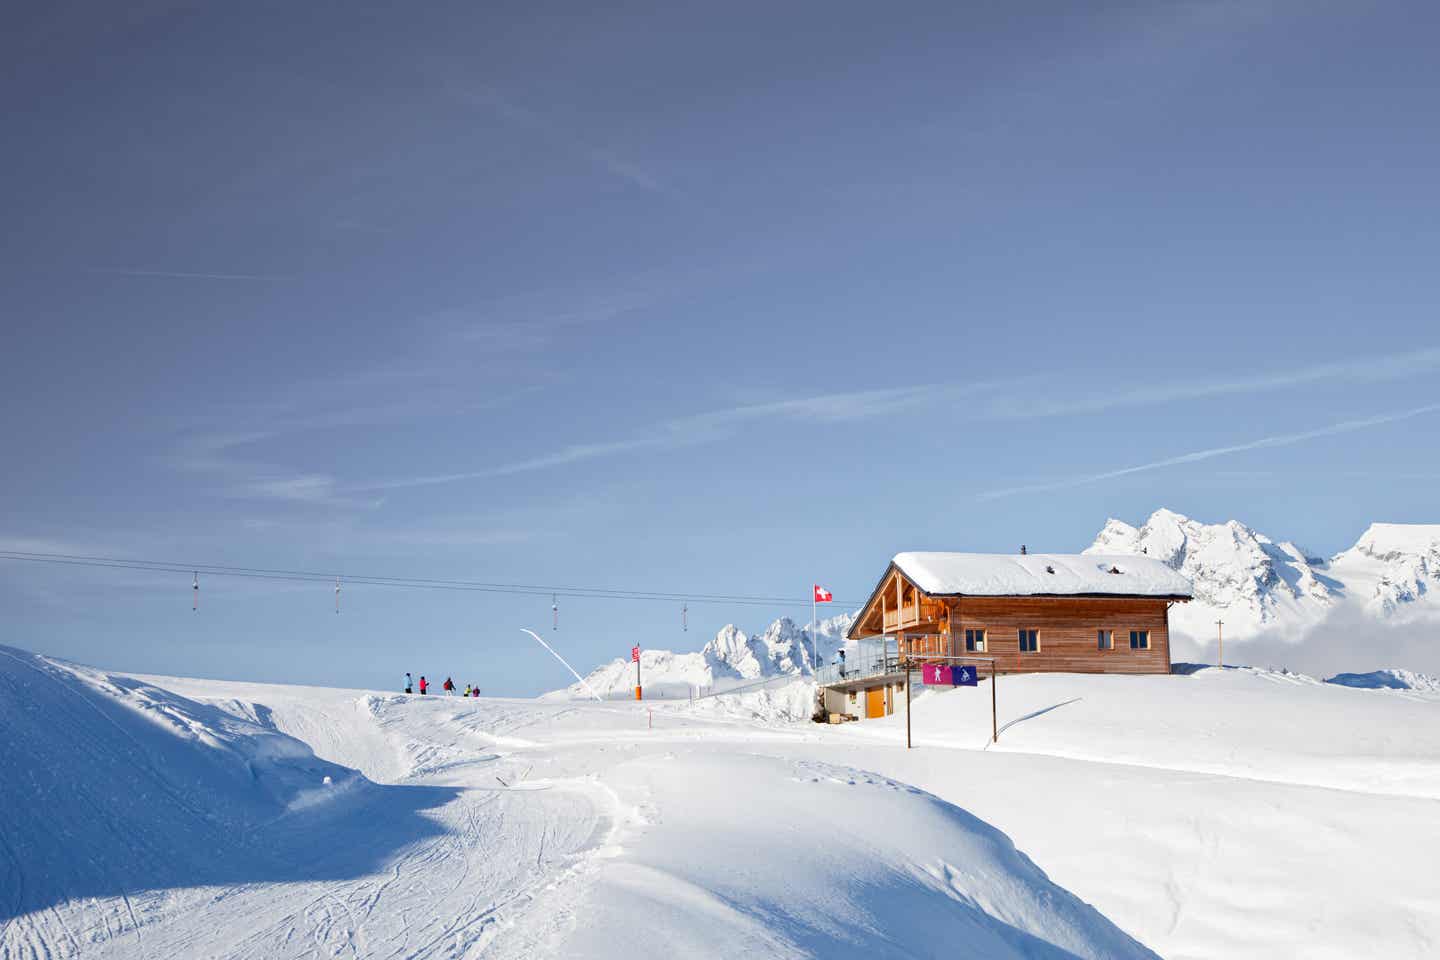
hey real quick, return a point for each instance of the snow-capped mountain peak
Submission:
(1256, 583)
(1254, 580)
(733, 657)
(1393, 566)
(732, 650)
(1394, 541)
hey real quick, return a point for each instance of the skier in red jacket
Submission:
(448, 686)
(424, 686)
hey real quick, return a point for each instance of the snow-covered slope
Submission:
(163, 817)
(732, 658)
(112, 786)
(1244, 721)
(1259, 585)
(1236, 813)
(1252, 814)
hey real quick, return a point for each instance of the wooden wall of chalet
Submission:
(1068, 632)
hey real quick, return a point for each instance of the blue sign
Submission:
(964, 676)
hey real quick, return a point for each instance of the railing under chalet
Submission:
(870, 657)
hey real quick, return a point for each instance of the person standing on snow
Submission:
(408, 684)
(449, 687)
(424, 685)
(477, 691)
(467, 689)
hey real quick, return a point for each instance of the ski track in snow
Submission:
(445, 895)
(440, 897)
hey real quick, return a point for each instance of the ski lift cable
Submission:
(573, 591)
(261, 573)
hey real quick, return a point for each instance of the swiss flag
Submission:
(635, 654)
(822, 595)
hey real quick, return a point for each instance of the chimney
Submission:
(1022, 550)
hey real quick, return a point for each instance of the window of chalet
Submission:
(1029, 641)
(974, 641)
(1105, 639)
(1139, 639)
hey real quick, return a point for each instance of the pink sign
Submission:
(935, 673)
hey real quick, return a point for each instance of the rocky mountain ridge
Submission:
(1256, 583)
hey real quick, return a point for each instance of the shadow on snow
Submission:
(110, 786)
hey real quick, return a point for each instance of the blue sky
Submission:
(721, 300)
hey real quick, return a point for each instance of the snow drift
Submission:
(110, 785)
(880, 869)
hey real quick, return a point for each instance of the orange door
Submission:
(874, 703)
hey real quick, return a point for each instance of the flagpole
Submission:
(812, 633)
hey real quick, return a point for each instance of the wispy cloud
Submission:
(558, 135)
(345, 536)
(574, 453)
(214, 445)
(1278, 440)
(245, 478)
(1100, 399)
(309, 488)
(24, 544)
(218, 451)
(533, 322)
(177, 274)
(702, 427)
(971, 401)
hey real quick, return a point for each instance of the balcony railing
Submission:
(870, 657)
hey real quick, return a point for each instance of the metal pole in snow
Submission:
(812, 630)
(1220, 636)
(994, 723)
(567, 666)
(908, 678)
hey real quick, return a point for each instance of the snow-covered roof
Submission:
(1039, 574)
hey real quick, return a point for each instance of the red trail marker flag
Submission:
(635, 656)
(822, 595)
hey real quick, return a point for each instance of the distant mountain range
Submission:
(732, 659)
(1259, 586)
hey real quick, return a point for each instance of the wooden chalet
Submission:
(1085, 613)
